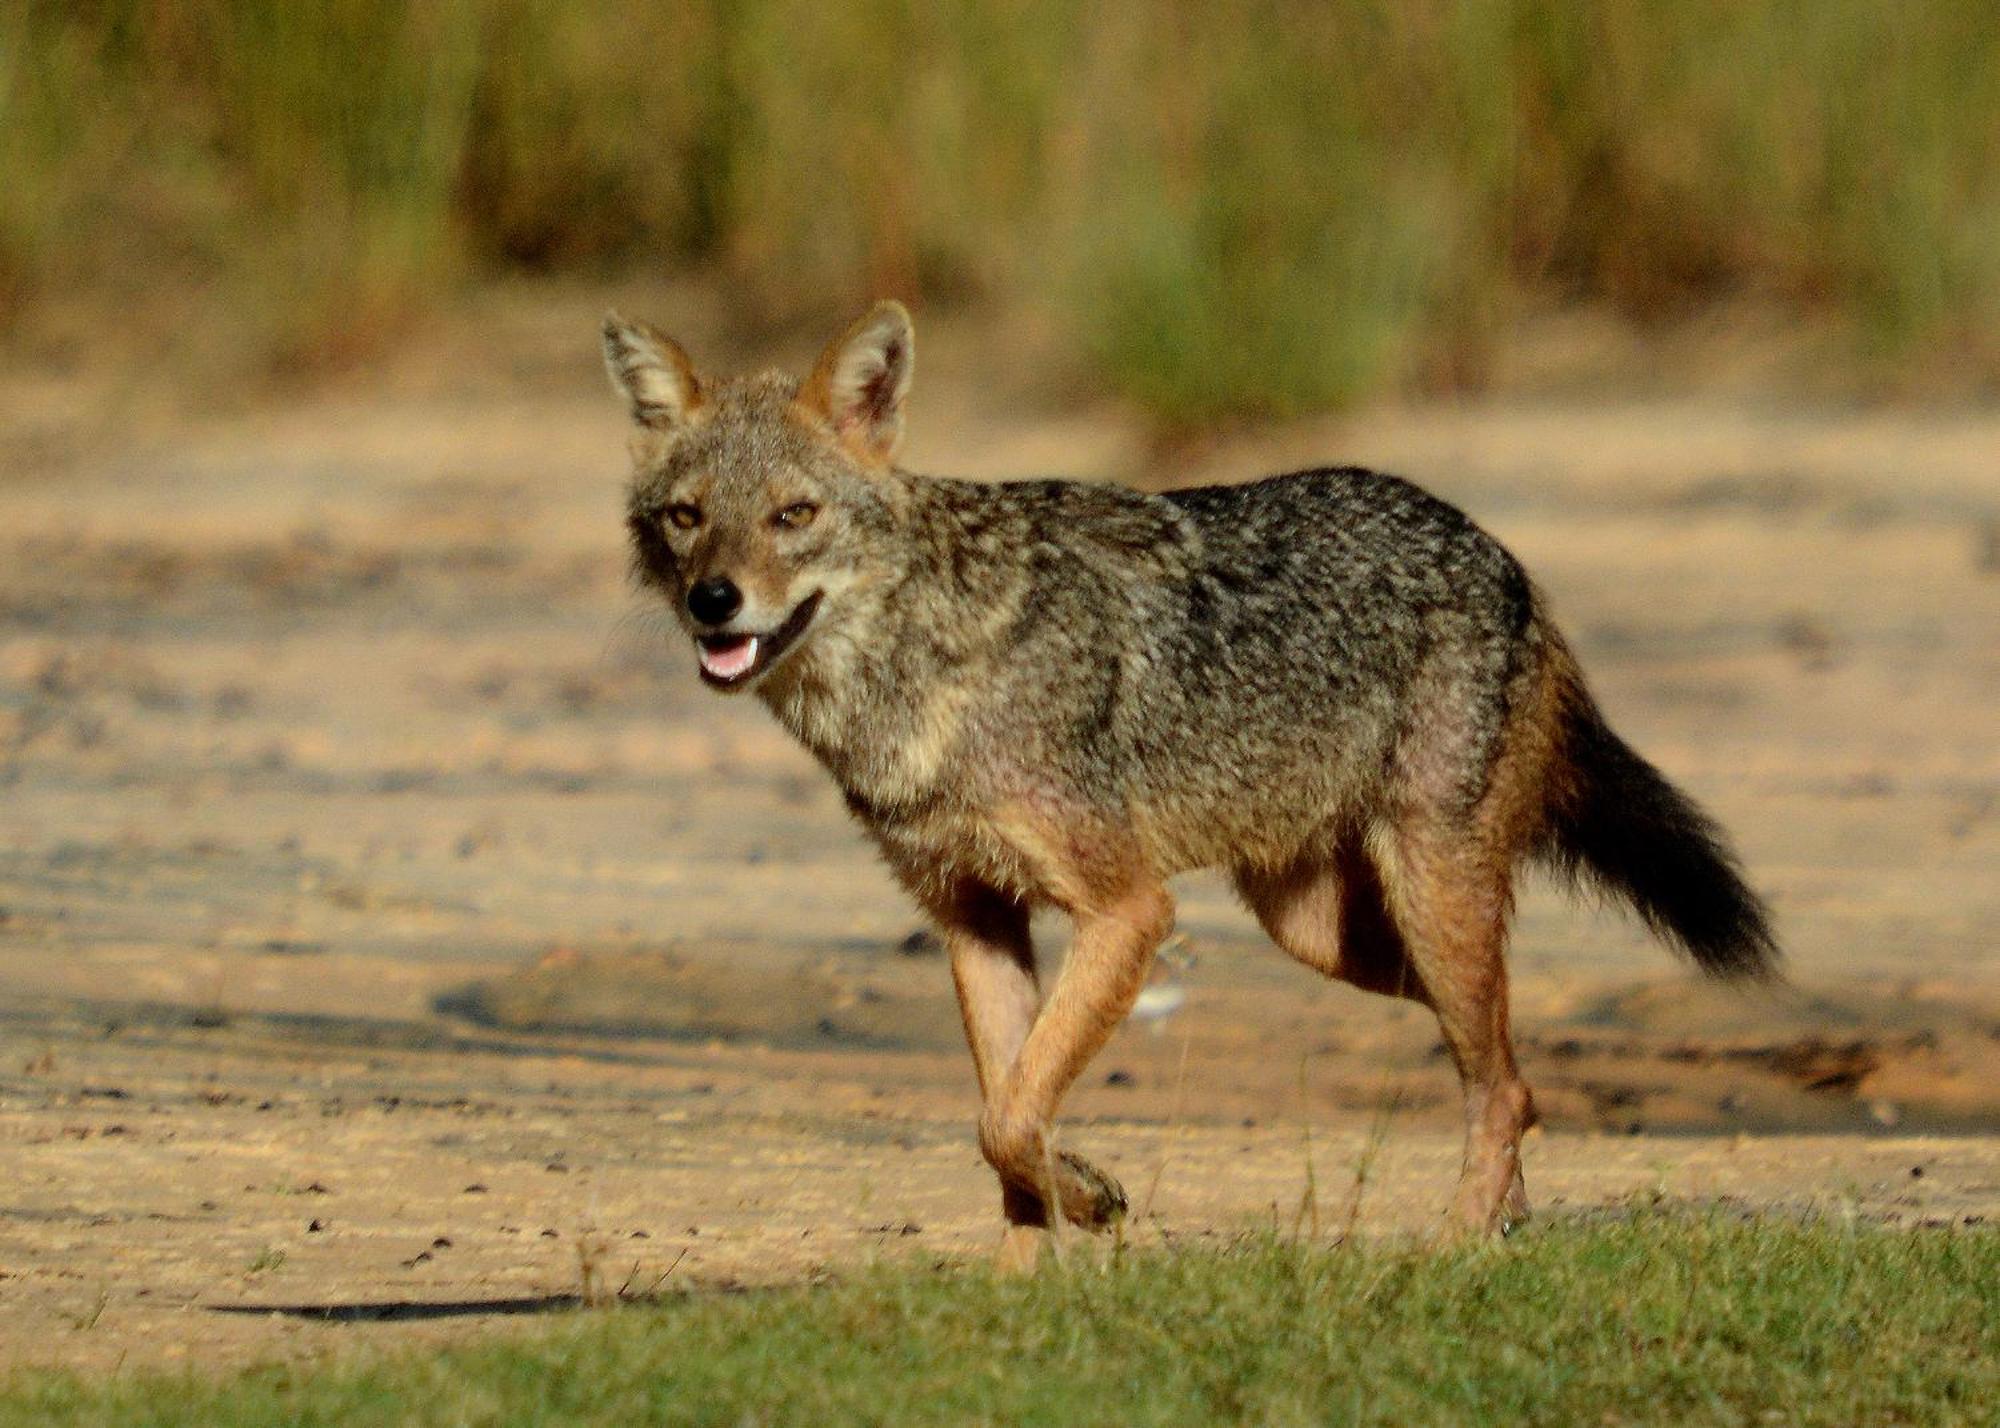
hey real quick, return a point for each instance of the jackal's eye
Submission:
(797, 516)
(683, 516)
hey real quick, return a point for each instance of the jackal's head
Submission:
(760, 505)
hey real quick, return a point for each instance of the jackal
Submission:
(1330, 684)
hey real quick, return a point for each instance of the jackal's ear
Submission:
(649, 369)
(858, 385)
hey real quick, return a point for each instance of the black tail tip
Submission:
(1695, 899)
(1751, 956)
(1707, 910)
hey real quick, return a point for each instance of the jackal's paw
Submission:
(1514, 1211)
(1477, 1216)
(1090, 1198)
(1020, 1250)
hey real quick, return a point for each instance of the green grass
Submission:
(1659, 1317)
(1232, 207)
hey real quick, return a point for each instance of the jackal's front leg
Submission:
(993, 967)
(999, 993)
(1100, 979)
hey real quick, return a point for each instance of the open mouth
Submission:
(729, 660)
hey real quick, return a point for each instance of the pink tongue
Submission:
(730, 660)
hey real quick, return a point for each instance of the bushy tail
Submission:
(1615, 819)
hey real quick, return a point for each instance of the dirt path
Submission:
(359, 831)
(184, 1194)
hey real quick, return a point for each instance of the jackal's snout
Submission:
(714, 601)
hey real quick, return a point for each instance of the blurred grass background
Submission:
(1229, 209)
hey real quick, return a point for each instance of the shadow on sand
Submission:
(407, 1310)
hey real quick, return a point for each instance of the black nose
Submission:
(714, 601)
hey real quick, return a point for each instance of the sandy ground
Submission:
(395, 939)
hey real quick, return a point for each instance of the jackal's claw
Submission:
(1091, 1198)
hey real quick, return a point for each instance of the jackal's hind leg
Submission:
(1330, 914)
(1334, 917)
(1449, 903)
